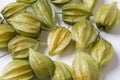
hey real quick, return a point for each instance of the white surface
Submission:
(109, 72)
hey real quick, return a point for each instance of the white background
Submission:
(109, 72)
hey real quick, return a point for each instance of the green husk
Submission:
(44, 11)
(58, 40)
(108, 16)
(17, 70)
(72, 13)
(89, 4)
(60, 1)
(6, 34)
(19, 46)
(85, 67)
(26, 1)
(102, 51)
(42, 65)
(14, 9)
(62, 72)
(84, 34)
(26, 24)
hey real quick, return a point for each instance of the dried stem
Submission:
(99, 31)
(3, 55)
(2, 21)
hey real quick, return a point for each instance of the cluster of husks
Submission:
(86, 65)
(92, 54)
(19, 34)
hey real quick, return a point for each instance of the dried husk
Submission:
(72, 13)
(58, 40)
(17, 70)
(84, 34)
(13, 9)
(6, 34)
(89, 4)
(42, 65)
(26, 24)
(44, 11)
(26, 1)
(60, 1)
(19, 46)
(107, 16)
(102, 51)
(85, 67)
(62, 72)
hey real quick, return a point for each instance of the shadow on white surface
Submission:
(115, 30)
(3, 52)
(4, 61)
(43, 36)
(42, 48)
(100, 2)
